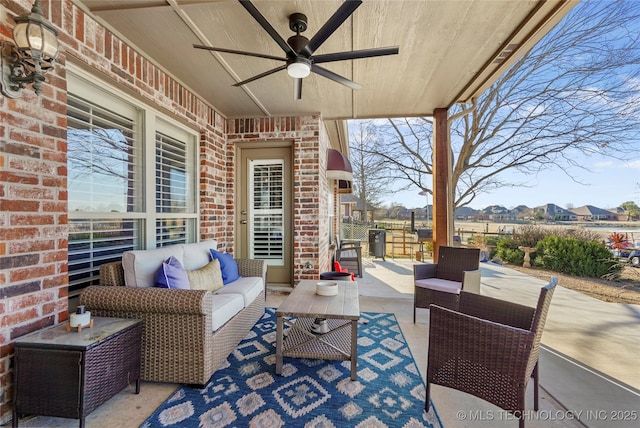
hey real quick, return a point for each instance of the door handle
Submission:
(243, 221)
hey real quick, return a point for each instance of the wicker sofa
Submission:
(187, 334)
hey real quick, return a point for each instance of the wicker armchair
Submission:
(488, 348)
(440, 283)
(178, 344)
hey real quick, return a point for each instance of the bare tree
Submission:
(371, 181)
(100, 152)
(406, 151)
(575, 94)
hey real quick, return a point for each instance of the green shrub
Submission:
(491, 240)
(492, 243)
(507, 251)
(527, 235)
(575, 256)
(531, 235)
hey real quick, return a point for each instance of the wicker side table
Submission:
(69, 373)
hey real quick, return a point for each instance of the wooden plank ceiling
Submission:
(450, 50)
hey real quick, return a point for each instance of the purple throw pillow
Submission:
(172, 275)
(228, 266)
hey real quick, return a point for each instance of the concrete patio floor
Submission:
(589, 367)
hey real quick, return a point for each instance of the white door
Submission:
(265, 212)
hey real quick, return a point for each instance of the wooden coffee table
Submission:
(299, 310)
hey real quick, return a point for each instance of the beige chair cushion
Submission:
(437, 284)
(208, 277)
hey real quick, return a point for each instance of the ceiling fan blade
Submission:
(261, 75)
(267, 27)
(341, 15)
(297, 89)
(335, 77)
(364, 53)
(259, 55)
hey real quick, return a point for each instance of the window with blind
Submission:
(173, 187)
(267, 211)
(102, 158)
(116, 202)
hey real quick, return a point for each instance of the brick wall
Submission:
(33, 186)
(310, 142)
(33, 211)
(33, 177)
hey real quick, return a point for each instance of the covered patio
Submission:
(450, 52)
(137, 140)
(588, 363)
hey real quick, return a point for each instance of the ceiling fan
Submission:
(300, 60)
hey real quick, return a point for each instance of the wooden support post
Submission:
(441, 180)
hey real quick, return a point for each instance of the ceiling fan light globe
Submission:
(298, 70)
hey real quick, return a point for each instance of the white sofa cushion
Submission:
(248, 287)
(438, 284)
(197, 255)
(225, 307)
(140, 266)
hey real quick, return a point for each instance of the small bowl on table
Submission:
(326, 288)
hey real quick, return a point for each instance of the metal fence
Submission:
(354, 232)
(400, 241)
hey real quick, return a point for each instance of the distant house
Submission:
(522, 212)
(552, 212)
(353, 208)
(496, 213)
(591, 213)
(466, 214)
(620, 213)
(347, 202)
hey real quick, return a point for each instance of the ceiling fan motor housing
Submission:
(298, 22)
(299, 44)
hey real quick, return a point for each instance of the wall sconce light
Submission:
(33, 53)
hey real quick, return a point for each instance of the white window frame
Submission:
(149, 121)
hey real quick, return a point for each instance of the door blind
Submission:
(267, 211)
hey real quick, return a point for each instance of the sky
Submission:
(604, 182)
(608, 185)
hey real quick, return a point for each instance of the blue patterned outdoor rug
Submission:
(389, 391)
